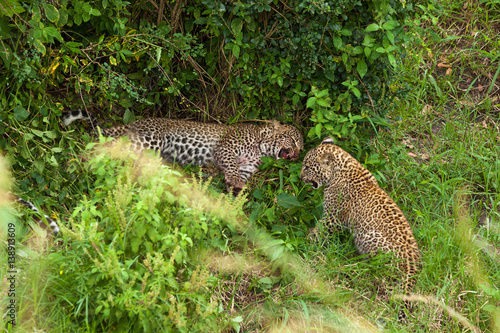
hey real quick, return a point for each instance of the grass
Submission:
(441, 166)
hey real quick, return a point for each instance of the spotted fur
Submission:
(235, 149)
(51, 223)
(353, 200)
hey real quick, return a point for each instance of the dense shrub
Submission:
(132, 259)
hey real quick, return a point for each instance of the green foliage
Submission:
(281, 51)
(132, 260)
(131, 255)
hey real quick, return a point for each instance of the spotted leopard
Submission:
(50, 222)
(236, 149)
(353, 200)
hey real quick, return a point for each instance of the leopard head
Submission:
(285, 141)
(322, 164)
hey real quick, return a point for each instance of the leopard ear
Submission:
(327, 160)
(276, 124)
(328, 140)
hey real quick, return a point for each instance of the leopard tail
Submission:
(71, 116)
(114, 132)
(52, 224)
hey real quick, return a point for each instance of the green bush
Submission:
(337, 53)
(132, 259)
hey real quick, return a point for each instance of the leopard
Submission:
(50, 223)
(353, 200)
(235, 149)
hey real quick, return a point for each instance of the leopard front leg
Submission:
(227, 161)
(330, 220)
(333, 216)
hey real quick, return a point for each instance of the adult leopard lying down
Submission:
(235, 149)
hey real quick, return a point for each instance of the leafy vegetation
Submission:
(409, 89)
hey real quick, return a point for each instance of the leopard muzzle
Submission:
(288, 154)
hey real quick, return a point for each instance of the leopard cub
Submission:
(353, 200)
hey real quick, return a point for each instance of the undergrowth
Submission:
(145, 247)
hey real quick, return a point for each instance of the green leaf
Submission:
(20, 113)
(252, 25)
(237, 319)
(50, 134)
(95, 12)
(322, 93)
(78, 18)
(286, 200)
(368, 51)
(368, 40)
(337, 42)
(37, 132)
(389, 25)
(85, 17)
(322, 102)
(311, 101)
(40, 165)
(53, 161)
(275, 255)
(280, 81)
(53, 32)
(10, 7)
(39, 46)
(372, 27)
(489, 308)
(392, 60)
(330, 75)
(357, 50)
(135, 243)
(236, 51)
(6, 55)
(362, 67)
(158, 54)
(236, 25)
(128, 116)
(390, 36)
(51, 12)
(318, 129)
(63, 17)
(239, 38)
(346, 32)
(356, 92)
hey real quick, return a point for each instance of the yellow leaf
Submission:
(112, 60)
